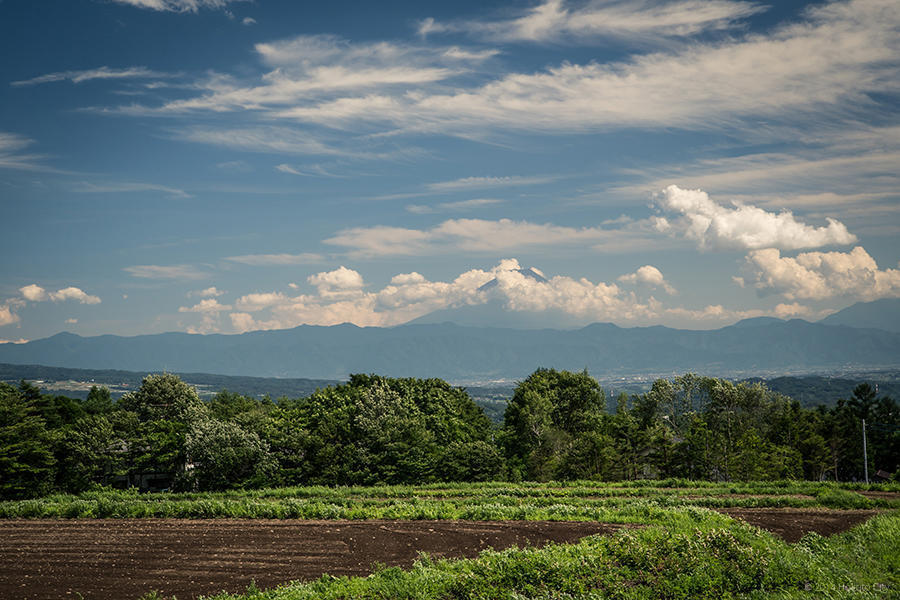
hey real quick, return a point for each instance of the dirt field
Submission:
(123, 558)
(791, 524)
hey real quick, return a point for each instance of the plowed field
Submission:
(125, 558)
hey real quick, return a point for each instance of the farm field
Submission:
(640, 539)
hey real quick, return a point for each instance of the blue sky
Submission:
(223, 166)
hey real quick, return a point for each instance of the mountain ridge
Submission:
(464, 354)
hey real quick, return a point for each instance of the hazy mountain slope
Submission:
(472, 353)
(880, 314)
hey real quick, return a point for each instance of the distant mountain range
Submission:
(464, 354)
(880, 314)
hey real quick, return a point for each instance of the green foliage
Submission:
(221, 455)
(26, 455)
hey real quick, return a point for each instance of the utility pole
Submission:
(865, 453)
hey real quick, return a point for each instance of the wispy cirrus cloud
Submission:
(426, 209)
(12, 155)
(833, 61)
(564, 22)
(93, 74)
(182, 6)
(128, 187)
(474, 183)
(165, 272)
(480, 236)
(264, 260)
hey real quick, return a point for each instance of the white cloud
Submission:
(422, 209)
(208, 305)
(126, 187)
(469, 183)
(165, 272)
(71, 321)
(92, 74)
(33, 292)
(36, 293)
(242, 322)
(821, 275)
(12, 156)
(18, 341)
(712, 225)
(342, 297)
(248, 21)
(210, 292)
(258, 260)
(8, 315)
(74, 293)
(479, 235)
(830, 62)
(337, 282)
(181, 6)
(275, 140)
(558, 21)
(259, 301)
(649, 275)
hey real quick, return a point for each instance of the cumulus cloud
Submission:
(259, 301)
(209, 305)
(74, 293)
(558, 21)
(341, 297)
(8, 315)
(741, 226)
(649, 275)
(820, 275)
(338, 282)
(210, 292)
(35, 293)
(18, 341)
(71, 321)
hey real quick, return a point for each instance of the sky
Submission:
(221, 166)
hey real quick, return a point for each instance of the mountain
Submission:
(475, 354)
(880, 314)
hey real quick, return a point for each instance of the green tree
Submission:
(221, 455)
(26, 448)
(545, 420)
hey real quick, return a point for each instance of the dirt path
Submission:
(791, 524)
(121, 559)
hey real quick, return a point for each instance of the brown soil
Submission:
(791, 524)
(125, 558)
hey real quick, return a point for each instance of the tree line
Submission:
(375, 429)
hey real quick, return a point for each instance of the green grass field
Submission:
(623, 502)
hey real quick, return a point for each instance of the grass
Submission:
(619, 502)
(696, 554)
